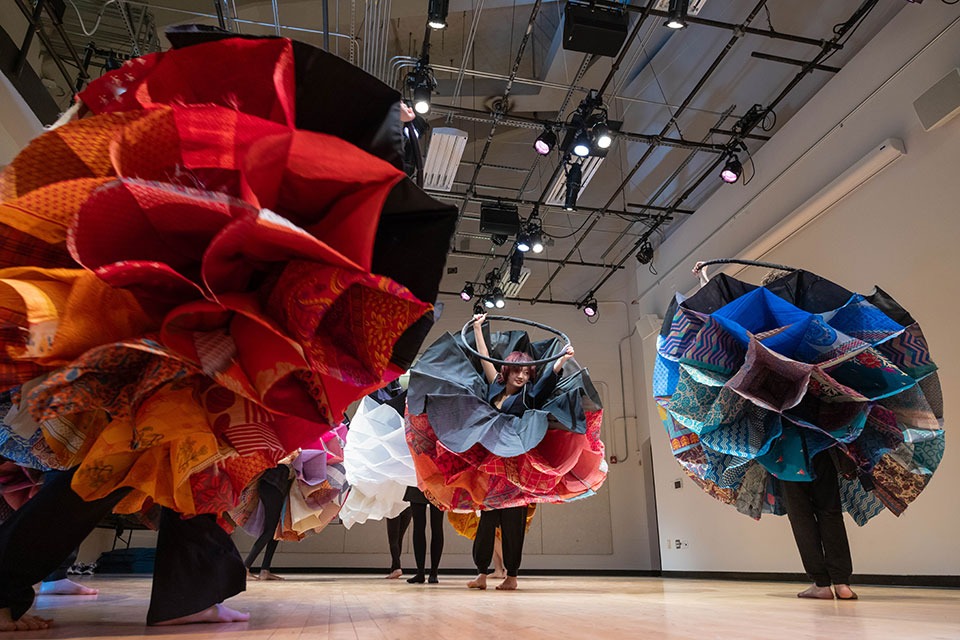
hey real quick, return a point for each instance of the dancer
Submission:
(272, 487)
(419, 505)
(466, 525)
(804, 398)
(396, 528)
(508, 393)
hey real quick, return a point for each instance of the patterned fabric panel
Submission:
(857, 501)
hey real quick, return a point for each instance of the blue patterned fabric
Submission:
(751, 392)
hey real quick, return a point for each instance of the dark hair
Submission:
(518, 357)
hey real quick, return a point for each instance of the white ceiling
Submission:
(660, 69)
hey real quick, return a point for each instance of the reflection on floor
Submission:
(368, 607)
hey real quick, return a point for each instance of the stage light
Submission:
(516, 264)
(581, 144)
(574, 176)
(545, 142)
(489, 302)
(732, 170)
(498, 239)
(523, 242)
(437, 14)
(467, 292)
(645, 254)
(421, 98)
(590, 308)
(477, 308)
(600, 131)
(536, 241)
(678, 14)
(498, 299)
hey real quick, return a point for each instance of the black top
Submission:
(530, 397)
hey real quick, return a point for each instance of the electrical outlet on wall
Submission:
(677, 543)
(678, 483)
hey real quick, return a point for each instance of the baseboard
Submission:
(613, 573)
(749, 576)
(864, 579)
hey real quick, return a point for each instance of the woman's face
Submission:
(519, 376)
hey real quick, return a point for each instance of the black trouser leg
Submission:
(60, 573)
(484, 541)
(396, 527)
(829, 509)
(420, 536)
(272, 501)
(42, 533)
(513, 529)
(436, 539)
(816, 516)
(197, 567)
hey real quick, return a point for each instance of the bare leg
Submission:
(266, 574)
(499, 571)
(26, 622)
(65, 587)
(816, 593)
(216, 613)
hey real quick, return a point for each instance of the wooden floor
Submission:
(368, 607)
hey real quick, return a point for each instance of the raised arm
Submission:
(489, 371)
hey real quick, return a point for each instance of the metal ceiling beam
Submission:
(476, 197)
(686, 102)
(524, 122)
(529, 258)
(826, 50)
(793, 61)
(570, 303)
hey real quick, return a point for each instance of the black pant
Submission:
(60, 573)
(197, 564)
(816, 515)
(272, 498)
(420, 537)
(513, 529)
(396, 527)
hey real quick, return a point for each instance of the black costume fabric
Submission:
(197, 563)
(816, 517)
(549, 431)
(513, 528)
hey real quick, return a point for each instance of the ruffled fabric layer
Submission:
(470, 456)
(192, 288)
(378, 463)
(753, 382)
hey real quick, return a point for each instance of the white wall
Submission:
(900, 230)
(612, 530)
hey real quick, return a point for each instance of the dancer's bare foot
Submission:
(480, 582)
(26, 622)
(509, 584)
(216, 613)
(395, 574)
(65, 587)
(499, 574)
(268, 575)
(844, 592)
(251, 576)
(816, 593)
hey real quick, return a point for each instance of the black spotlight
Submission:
(600, 131)
(498, 300)
(590, 308)
(477, 308)
(545, 142)
(574, 178)
(498, 239)
(536, 241)
(732, 170)
(516, 264)
(678, 14)
(467, 292)
(421, 98)
(645, 254)
(489, 302)
(437, 14)
(523, 242)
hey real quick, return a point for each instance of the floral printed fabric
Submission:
(752, 390)
(190, 278)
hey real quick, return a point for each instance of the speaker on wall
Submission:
(940, 102)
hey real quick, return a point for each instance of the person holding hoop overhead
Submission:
(513, 390)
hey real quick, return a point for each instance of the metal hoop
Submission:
(534, 363)
(749, 263)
